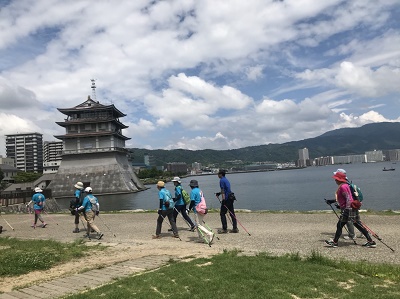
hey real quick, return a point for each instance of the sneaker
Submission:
(100, 236)
(370, 244)
(192, 229)
(86, 236)
(33, 225)
(44, 225)
(222, 231)
(76, 230)
(235, 230)
(156, 237)
(175, 236)
(350, 238)
(211, 238)
(331, 243)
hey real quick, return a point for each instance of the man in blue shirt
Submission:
(226, 203)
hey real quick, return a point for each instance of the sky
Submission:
(204, 74)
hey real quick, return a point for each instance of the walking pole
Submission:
(209, 228)
(106, 225)
(233, 215)
(52, 219)
(339, 218)
(169, 225)
(183, 217)
(376, 236)
(7, 222)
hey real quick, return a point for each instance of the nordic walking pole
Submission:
(376, 236)
(339, 218)
(7, 222)
(209, 228)
(233, 215)
(169, 225)
(106, 225)
(52, 219)
(183, 218)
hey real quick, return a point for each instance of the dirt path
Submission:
(273, 233)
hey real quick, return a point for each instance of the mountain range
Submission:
(345, 141)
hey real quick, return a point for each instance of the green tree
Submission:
(25, 177)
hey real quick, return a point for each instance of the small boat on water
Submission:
(388, 169)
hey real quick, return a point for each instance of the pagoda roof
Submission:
(90, 121)
(90, 104)
(91, 134)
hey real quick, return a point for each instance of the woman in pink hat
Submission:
(344, 199)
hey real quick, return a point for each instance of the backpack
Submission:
(356, 192)
(201, 208)
(357, 196)
(185, 196)
(169, 202)
(93, 201)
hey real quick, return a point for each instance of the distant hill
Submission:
(346, 141)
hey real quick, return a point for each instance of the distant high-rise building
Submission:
(149, 160)
(52, 156)
(304, 158)
(52, 151)
(26, 150)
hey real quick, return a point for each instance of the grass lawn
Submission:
(22, 256)
(230, 275)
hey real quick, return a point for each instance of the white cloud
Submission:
(226, 74)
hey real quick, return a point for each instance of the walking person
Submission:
(198, 204)
(76, 203)
(90, 206)
(349, 224)
(226, 204)
(180, 205)
(38, 200)
(166, 208)
(345, 199)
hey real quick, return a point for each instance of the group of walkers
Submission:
(170, 207)
(85, 207)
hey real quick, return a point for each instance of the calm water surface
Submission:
(297, 189)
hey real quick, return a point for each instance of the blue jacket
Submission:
(195, 197)
(178, 196)
(38, 201)
(164, 195)
(86, 204)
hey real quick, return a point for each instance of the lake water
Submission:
(294, 190)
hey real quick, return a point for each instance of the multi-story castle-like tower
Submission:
(94, 151)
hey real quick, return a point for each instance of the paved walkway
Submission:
(88, 280)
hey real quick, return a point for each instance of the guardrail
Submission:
(8, 198)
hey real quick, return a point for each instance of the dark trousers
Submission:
(160, 219)
(226, 206)
(182, 209)
(350, 215)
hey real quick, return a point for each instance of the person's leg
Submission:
(222, 213)
(186, 216)
(350, 228)
(76, 230)
(175, 213)
(90, 220)
(229, 204)
(160, 220)
(170, 216)
(343, 219)
(36, 217)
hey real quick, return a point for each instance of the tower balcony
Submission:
(94, 150)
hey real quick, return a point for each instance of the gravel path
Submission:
(277, 233)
